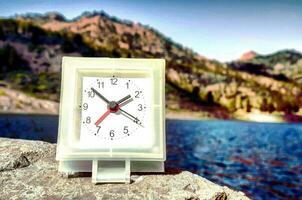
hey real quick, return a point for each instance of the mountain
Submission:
(248, 56)
(283, 65)
(109, 32)
(194, 83)
(285, 57)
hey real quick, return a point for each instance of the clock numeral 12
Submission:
(113, 81)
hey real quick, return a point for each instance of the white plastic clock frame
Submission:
(108, 166)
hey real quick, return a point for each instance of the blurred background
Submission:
(229, 64)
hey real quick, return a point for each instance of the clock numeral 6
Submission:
(111, 133)
(126, 129)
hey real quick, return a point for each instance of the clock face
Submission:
(115, 109)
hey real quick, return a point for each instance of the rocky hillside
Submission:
(15, 101)
(32, 47)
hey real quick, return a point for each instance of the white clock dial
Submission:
(114, 108)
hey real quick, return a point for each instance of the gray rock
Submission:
(28, 170)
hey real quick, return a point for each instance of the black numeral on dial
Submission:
(111, 133)
(101, 84)
(140, 107)
(126, 129)
(98, 127)
(88, 120)
(85, 106)
(113, 81)
(91, 94)
(137, 94)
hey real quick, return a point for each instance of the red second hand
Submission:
(102, 117)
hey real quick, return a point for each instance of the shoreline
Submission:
(245, 117)
(203, 116)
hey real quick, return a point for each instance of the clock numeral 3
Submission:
(140, 107)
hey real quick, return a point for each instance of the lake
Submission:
(264, 160)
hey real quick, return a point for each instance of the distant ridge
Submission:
(248, 56)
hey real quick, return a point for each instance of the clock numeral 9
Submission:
(85, 106)
(91, 94)
(126, 129)
(113, 81)
(137, 94)
(88, 120)
(111, 133)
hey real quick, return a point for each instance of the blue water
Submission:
(261, 159)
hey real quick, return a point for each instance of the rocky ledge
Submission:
(28, 170)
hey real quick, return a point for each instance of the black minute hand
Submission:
(101, 96)
(135, 120)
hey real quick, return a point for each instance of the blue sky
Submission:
(214, 28)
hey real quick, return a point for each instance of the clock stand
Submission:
(112, 171)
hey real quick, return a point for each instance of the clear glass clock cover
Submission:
(112, 109)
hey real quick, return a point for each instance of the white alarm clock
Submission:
(112, 119)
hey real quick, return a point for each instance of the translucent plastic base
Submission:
(110, 171)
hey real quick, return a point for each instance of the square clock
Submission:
(112, 119)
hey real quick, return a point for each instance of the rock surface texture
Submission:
(28, 170)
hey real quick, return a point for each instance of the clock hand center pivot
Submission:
(113, 106)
